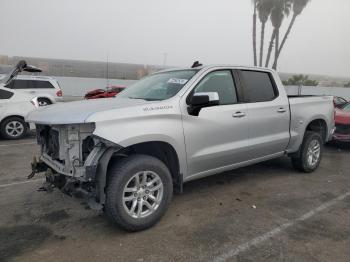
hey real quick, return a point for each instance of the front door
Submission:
(217, 138)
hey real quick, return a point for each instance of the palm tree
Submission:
(280, 10)
(254, 33)
(269, 51)
(298, 7)
(264, 8)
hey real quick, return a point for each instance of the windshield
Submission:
(159, 86)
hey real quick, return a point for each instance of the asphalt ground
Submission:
(265, 212)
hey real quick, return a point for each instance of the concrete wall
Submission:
(76, 87)
(316, 90)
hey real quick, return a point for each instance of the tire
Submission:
(123, 174)
(44, 101)
(302, 161)
(13, 128)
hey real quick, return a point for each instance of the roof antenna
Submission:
(196, 64)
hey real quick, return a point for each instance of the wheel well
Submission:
(10, 117)
(319, 126)
(46, 98)
(161, 150)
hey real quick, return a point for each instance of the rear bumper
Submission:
(342, 132)
(59, 99)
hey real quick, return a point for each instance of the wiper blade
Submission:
(136, 98)
(146, 99)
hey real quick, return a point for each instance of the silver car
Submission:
(128, 154)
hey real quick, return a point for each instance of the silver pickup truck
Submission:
(128, 154)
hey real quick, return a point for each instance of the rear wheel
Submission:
(310, 153)
(138, 193)
(13, 128)
(44, 101)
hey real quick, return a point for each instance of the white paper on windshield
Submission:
(177, 81)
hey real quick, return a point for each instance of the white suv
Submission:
(46, 89)
(14, 106)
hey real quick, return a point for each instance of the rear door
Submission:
(43, 87)
(268, 110)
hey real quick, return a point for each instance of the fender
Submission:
(101, 174)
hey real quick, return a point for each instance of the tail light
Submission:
(59, 93)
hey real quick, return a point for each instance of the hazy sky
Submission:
(187, 30)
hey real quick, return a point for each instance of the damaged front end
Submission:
(74, 160)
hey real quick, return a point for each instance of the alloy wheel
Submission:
(142, 194)
(313, 153)
(14, 128)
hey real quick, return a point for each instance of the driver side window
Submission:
(221, 82)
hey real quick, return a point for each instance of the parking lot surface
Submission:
(266, 212)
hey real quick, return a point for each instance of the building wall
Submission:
(317, 90)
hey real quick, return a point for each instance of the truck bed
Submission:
(303, 110)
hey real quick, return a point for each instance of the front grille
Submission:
(342, 129)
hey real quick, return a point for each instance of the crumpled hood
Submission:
(342, 117)
(77, 112)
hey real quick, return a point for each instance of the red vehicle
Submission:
(342, 123)
(339, 102)
(104, 93)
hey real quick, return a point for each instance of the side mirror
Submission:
(205, 99)
(202, 99)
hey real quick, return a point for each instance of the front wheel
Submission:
(13, 128)
(139, 191)
(310, 153)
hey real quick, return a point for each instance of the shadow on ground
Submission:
(17, 239)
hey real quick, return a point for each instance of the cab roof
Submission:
(207, 67)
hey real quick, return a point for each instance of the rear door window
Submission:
(258, 86)
(4, 94)
(42, 84)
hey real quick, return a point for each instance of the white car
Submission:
(46, 89)
(14, 106)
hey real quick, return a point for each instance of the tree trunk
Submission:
(262, 43)
(273, 36)
(276, 48)
(286, 34)
(254, 35)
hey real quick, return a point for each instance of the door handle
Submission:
(281, 110)
(238, 114)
